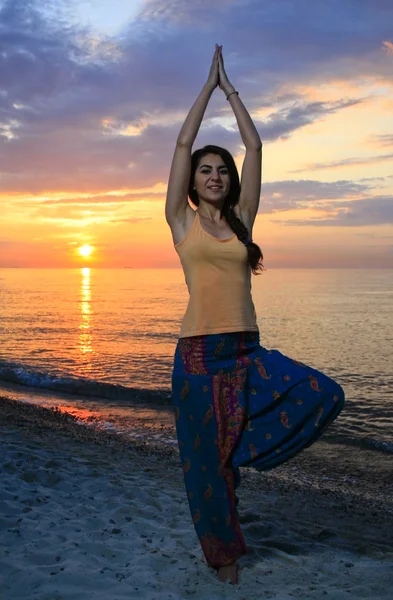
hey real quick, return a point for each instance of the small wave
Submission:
(109, 392)
(23, 375)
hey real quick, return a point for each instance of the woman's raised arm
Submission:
(177, 193)
(252, 165)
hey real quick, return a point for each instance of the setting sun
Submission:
(85, 250)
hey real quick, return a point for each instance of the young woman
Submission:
(236, 403)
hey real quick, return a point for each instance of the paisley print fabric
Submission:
(239, 404)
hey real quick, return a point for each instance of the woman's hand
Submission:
(212, 80)
(223, 80)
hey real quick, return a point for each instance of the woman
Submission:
(236, 403)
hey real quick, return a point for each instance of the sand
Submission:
(87, 514)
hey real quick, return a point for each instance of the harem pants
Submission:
(238, 404)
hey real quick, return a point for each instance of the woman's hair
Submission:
(255, 255)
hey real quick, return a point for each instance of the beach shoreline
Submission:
(89, 512)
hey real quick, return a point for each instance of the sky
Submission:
(93, 94)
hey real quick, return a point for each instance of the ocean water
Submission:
(110, 334)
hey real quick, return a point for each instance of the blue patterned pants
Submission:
(238, 404)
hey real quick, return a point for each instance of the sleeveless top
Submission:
(218, 278)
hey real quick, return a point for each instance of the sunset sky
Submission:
(93, 94)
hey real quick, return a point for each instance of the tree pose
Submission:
(236, 402)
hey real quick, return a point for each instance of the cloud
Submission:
(280, 196)
(180, 11)
(83, 201)
(385, 139)
(339, 199)
(388, 46)
(97, 157)
(61, 83)
(345, 162)
(288, 119)
(288, 195)
(131, 220)
(356, 213)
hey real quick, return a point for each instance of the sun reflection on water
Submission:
(85, 335)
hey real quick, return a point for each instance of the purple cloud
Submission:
(286, 120)
(357, 213)
(346, 162)
(59, 83)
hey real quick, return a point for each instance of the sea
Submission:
(99, 343)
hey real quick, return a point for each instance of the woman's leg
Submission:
(210, 482)
(277, 430)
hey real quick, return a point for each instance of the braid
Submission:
(255, 255)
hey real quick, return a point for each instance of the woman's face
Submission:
(212, 181)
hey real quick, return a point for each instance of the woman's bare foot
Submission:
(228, 572)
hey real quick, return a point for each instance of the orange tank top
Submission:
(218, 278)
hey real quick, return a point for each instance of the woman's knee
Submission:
(339, 394)
(332, 389)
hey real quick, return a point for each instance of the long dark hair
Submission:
(255, 255)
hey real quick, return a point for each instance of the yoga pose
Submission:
(236, 403)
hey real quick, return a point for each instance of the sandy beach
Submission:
(88, 514)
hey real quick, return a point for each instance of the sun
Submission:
(85, 250)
